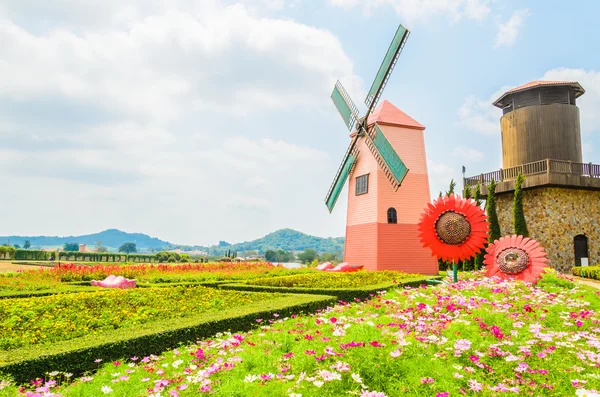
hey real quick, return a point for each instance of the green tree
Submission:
(271, 256)
(308, 255)
(128, 248)
(520, 224)
(467, 192)
(328, 257)
(492, 215)
(27, 244)
(17, 246)
(477, 194)
(451, 187)
(71, 247)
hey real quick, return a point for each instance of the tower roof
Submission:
(386, 113)
(579, 91)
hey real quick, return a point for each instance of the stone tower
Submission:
(541, 138)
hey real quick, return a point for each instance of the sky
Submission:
(200, 121)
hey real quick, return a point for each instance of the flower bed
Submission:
(587, 272)
(478, 337)
(56, 318)
(54, 279)
(333, 279)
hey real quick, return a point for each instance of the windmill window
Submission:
(392, 215)
(362, 184)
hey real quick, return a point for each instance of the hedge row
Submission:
(47, 292)
(345, 294)
(77, 355)
(587, 271)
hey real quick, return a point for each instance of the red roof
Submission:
(538, 83)
(386, 113)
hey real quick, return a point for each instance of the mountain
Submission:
(110, 238)
(285, 239)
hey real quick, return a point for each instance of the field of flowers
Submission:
(333, 280)
(479, 337)
(53, 278)
(45, 320)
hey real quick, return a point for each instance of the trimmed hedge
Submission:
(77, 355)
(587, 272)
(47, 292)
(345, 294)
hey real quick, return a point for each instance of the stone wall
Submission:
(554, 217)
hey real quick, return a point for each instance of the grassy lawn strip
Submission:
(346, 294)
(61, 290)
(78, 355)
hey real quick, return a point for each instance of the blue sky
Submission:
(211, 120)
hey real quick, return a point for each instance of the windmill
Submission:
(381, 225)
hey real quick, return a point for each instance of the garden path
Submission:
(11, 267)
(588, 282)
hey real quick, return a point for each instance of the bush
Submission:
(77, 355)
(592, 272)
(327, 280)
(346, 294)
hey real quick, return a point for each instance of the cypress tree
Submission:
(451, 189)
(519, 221)
(477, 195)
(490, 208)
(467, 192)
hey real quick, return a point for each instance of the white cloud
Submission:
(479, 115)
(467, 154)
(418, 10)
(509, 30)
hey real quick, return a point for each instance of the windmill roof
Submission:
(539, 83)
(387, 113)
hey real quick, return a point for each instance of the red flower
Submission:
(454, 228)
(515, 257)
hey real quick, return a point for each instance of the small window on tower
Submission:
(392, 215)
(362, 184)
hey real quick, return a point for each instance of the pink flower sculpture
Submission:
(515, 257)
(114, 282)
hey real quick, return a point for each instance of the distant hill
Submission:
(285, 239)
(110, 238)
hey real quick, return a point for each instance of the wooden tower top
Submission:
(540, 92)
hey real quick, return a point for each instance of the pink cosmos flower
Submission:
(426, 381)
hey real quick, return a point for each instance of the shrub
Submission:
(587, 272)
(78, 355)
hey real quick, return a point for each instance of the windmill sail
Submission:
(392, 166)
(341, 175)
(344, 105)
(389, 61)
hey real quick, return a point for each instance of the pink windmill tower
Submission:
(385, 199)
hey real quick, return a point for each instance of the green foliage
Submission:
(78, 355)
(71, 247)
(492, 215)
(279, 256)
(7, 252)
(348, 293)
(520, 224)
(17, 246)
(451, 187)
(27, 244)
(477, 194)
(128, 248)
(467, 192)
(592, 272)
(33, 255)
(330, 256)
(308, 255)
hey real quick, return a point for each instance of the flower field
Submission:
(54, 278)
(333, 280)
(45, 320)
(479, 337)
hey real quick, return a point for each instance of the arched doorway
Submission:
(580, 244)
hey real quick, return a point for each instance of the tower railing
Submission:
(547, 166)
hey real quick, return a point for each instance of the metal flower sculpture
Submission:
(454, 228)
(515, 257)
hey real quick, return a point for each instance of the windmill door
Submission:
(581, 248)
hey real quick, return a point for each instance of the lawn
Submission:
(479, 337)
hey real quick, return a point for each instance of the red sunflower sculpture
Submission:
(454, 228)
(515, 257)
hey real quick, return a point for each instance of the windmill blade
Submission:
(341, 175)
(344, 105)
(392, 166)
(389, 61)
